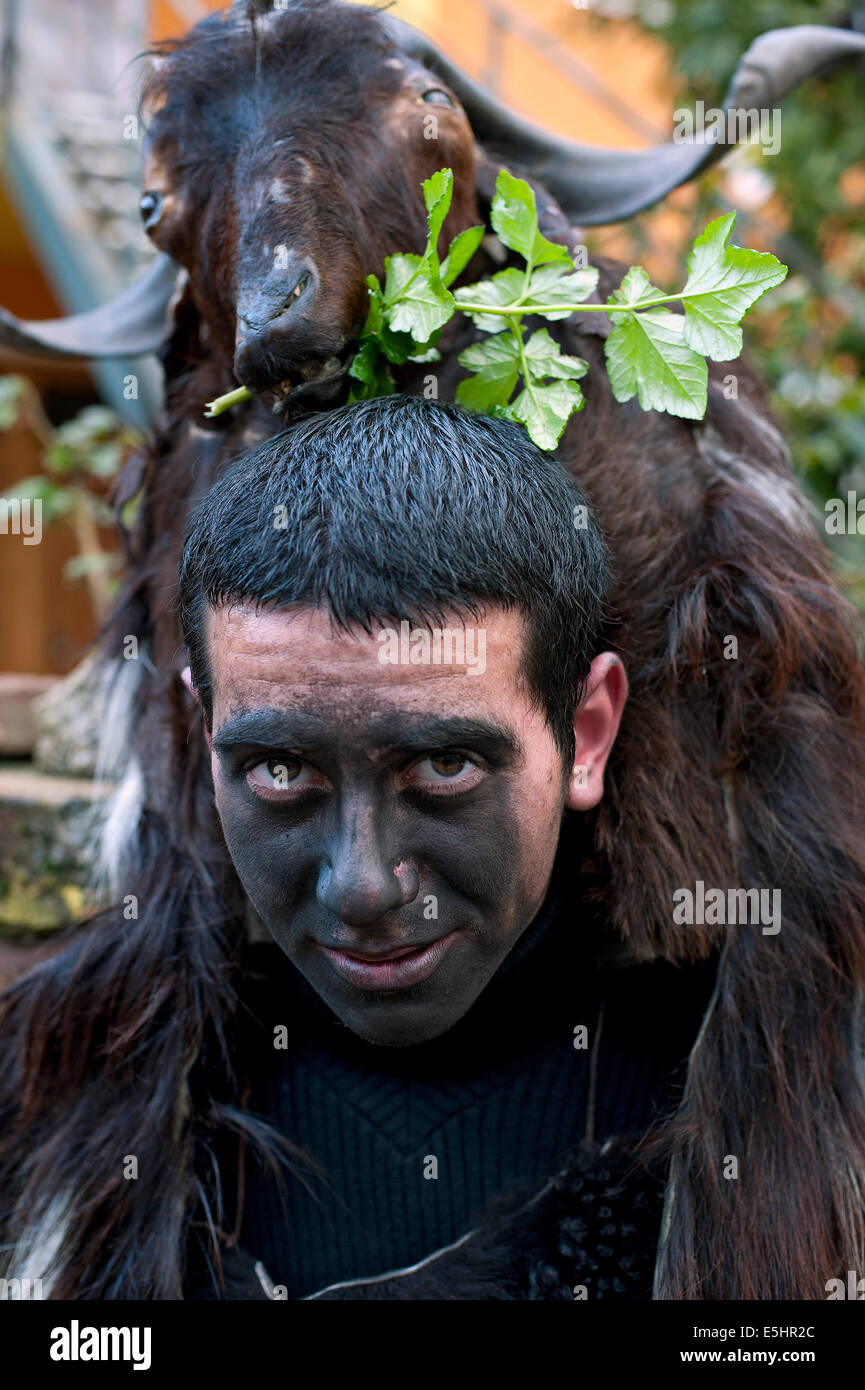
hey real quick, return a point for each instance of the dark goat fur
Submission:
(743, 772)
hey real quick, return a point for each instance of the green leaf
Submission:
(460, 252)
(400, 272)
(13, 399)
(553, 284)
(431, 355)
(397, 347)
(104, 460)
(374, 315)
(56, 500)
(496, 364)
(60, 457)
(503, 288)
(514, 216)
(545, 410)
(545, 358)
(425, 307)
(90, 423)
(635, 287)
(723, 282)
(368, 367)
(648, 357)
(545, 407)
(414, 300)
(101, 562)
(437, 192)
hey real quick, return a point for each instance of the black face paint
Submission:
(349, 848)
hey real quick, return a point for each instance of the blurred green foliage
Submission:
(807, 339)
(78, 458)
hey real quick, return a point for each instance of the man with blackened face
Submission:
(394, 825)
(393, 617)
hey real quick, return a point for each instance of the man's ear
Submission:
(186, 677)
(595, 727)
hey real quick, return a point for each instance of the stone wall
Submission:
(50, 810)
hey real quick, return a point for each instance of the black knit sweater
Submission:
(415, 1143)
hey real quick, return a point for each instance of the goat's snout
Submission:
(271, 302)
(268, 312)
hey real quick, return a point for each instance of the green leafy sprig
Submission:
(521, 374)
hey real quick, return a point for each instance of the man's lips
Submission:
(389, 968)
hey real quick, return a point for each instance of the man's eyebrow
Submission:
(407, 732)
(266, 728)
(417, 732)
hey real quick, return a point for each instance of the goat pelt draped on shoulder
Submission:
(744, 772)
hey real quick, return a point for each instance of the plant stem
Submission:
(516, 328)
(223, 403)
(520, 307)
(511, 312)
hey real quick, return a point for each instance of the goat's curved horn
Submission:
(132, 323)
(596, 185)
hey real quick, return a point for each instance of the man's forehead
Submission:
(300, 647)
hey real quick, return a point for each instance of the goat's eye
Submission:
(436, 97)
(150, 208)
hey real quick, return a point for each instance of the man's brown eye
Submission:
(276, 772)
(284, 770)
(447, 764)
(443, 774)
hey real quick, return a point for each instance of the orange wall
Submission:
(631, 62)
(45, 622)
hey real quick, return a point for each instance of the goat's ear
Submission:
(134, 322)
(596, 185)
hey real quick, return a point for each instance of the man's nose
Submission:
(361, 877)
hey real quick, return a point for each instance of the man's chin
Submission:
(395, 1032)
(393, 1018)
(420, 999)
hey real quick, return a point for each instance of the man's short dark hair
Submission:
(403, 508)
